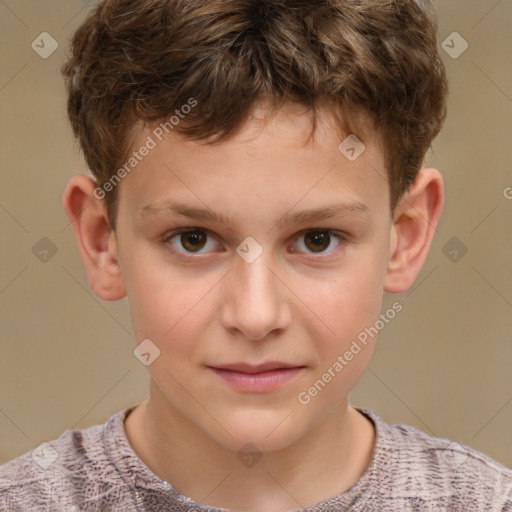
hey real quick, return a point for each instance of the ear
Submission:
(96, 242)
(414, 225)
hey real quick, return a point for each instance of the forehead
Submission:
(269, 162)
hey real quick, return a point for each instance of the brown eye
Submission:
(193, 240)
(318, 241)
(190, 241)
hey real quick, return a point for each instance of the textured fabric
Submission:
(96, 469)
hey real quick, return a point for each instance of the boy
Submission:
(258, 187)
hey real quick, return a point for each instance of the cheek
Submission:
(173, 304)
(347, 305)
(169, 306)
(351, 297)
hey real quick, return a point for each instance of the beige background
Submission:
(443, 364)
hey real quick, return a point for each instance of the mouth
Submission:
(256, 368)
(259, 378)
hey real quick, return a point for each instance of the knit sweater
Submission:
(96, 469)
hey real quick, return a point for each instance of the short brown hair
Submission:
(143, 59)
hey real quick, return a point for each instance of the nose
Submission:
(255, 300)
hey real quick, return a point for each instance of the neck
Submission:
(333, 453)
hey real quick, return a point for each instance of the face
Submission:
(263, 282)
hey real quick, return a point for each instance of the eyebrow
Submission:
(169, 208)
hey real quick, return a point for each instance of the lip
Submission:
(260, 381)
(255, 368)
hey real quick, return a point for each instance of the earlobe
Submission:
(96, 242)
(415, 223)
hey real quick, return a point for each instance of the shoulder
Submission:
(432, 469)
(65, 471)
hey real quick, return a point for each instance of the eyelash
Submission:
(342, 238)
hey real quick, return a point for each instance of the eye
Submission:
(193, 240)
(318, 240)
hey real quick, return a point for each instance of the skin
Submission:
(294, 303)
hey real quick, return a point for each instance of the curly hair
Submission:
(134, 60)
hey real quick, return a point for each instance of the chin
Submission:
(268, 431)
